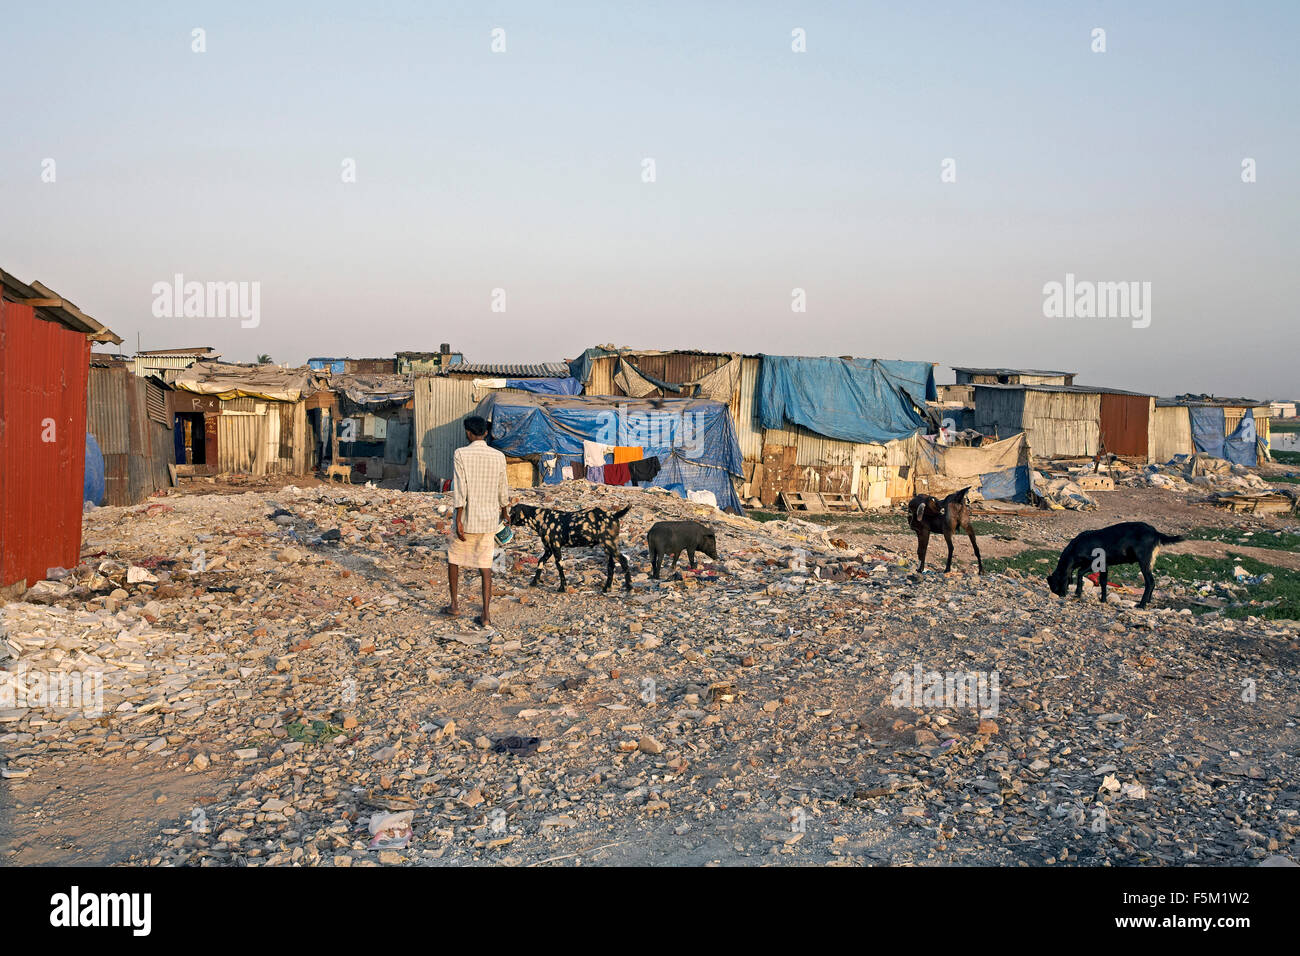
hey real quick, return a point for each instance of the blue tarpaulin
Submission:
(694, 439)
(1240, 447)
(1011, 484)
(546, 386)
(1207, 429)
(857, 400)
(94, 487)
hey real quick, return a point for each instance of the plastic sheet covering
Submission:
(546, 386)
(95, 486)
(857, 400)
(998, 470)
(1240, 447)
(1207, 430)
(694, 439)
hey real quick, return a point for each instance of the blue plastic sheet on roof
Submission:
(1240, 447)
(858, 400)
(546, 386)
(1207, 429)
(694, 439)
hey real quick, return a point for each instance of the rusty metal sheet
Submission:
(43, 384)
(1125, 420)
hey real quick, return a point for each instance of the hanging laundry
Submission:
(616, 474)
(596, 473)
(577, 469)
(644, 470)
(627, 453)
(594, 452)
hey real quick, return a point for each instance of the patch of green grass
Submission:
(1189, 570)
(1033, 561)
(990, 528)
(1286, 457)
(1284, 424)
(1282, 480)
(1277, 540)
(885, 520)
(315, 732)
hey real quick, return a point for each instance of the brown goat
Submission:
(926, 514)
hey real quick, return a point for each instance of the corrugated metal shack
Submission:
(792, 458)
(168, 363)
(1067, 421)
(243, 419)
(967, 378)
(1172, 425)
(44, 368)
(414, 363)
(131, 419)
(351, 366)
(368, 424)
(444, 398)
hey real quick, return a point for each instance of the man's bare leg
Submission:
(486, 574)
(453, 579)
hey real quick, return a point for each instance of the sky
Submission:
(518, 179)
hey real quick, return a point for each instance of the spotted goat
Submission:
(596, 528)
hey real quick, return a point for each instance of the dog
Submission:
(335, 471)
(927, 514)
(569, 529)
(671, 538)
(1132, 542)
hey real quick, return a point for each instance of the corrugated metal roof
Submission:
(50, 304)
(1007, 371)
(502, 370)
(1078, 389)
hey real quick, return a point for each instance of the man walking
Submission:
(481, 499)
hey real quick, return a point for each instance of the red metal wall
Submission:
(43, 373)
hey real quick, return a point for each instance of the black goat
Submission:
(570, 529)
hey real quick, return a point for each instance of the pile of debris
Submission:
(287, 648)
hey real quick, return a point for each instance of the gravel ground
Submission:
(779, 706)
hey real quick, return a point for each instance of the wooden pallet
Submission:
(818, 502)
(840, 502)
(807, 501)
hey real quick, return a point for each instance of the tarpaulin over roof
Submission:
(999, 470)
(857, 400)
(254, 381)
(694, 439)
(546, 386)
(373, 389)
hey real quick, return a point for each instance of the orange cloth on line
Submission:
(626, 453)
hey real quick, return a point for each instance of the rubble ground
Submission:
(276, 678)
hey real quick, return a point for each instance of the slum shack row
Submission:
(731, 429)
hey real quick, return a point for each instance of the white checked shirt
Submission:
(479, 486)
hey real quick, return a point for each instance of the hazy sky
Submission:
(775, 171)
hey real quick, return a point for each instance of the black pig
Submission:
(673, 537)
